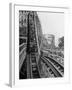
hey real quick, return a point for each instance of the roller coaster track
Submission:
(34, 67)
(55, 68)
(29, 68)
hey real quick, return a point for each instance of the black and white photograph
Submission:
(41, 44)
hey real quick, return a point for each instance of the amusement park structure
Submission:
(34, 60)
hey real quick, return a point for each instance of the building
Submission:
(50, 40)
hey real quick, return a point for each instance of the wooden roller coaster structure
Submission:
(30, 57)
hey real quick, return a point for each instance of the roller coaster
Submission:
(34, 62)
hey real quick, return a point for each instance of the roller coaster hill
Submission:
(35, 60)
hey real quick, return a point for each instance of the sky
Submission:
(52, 23)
